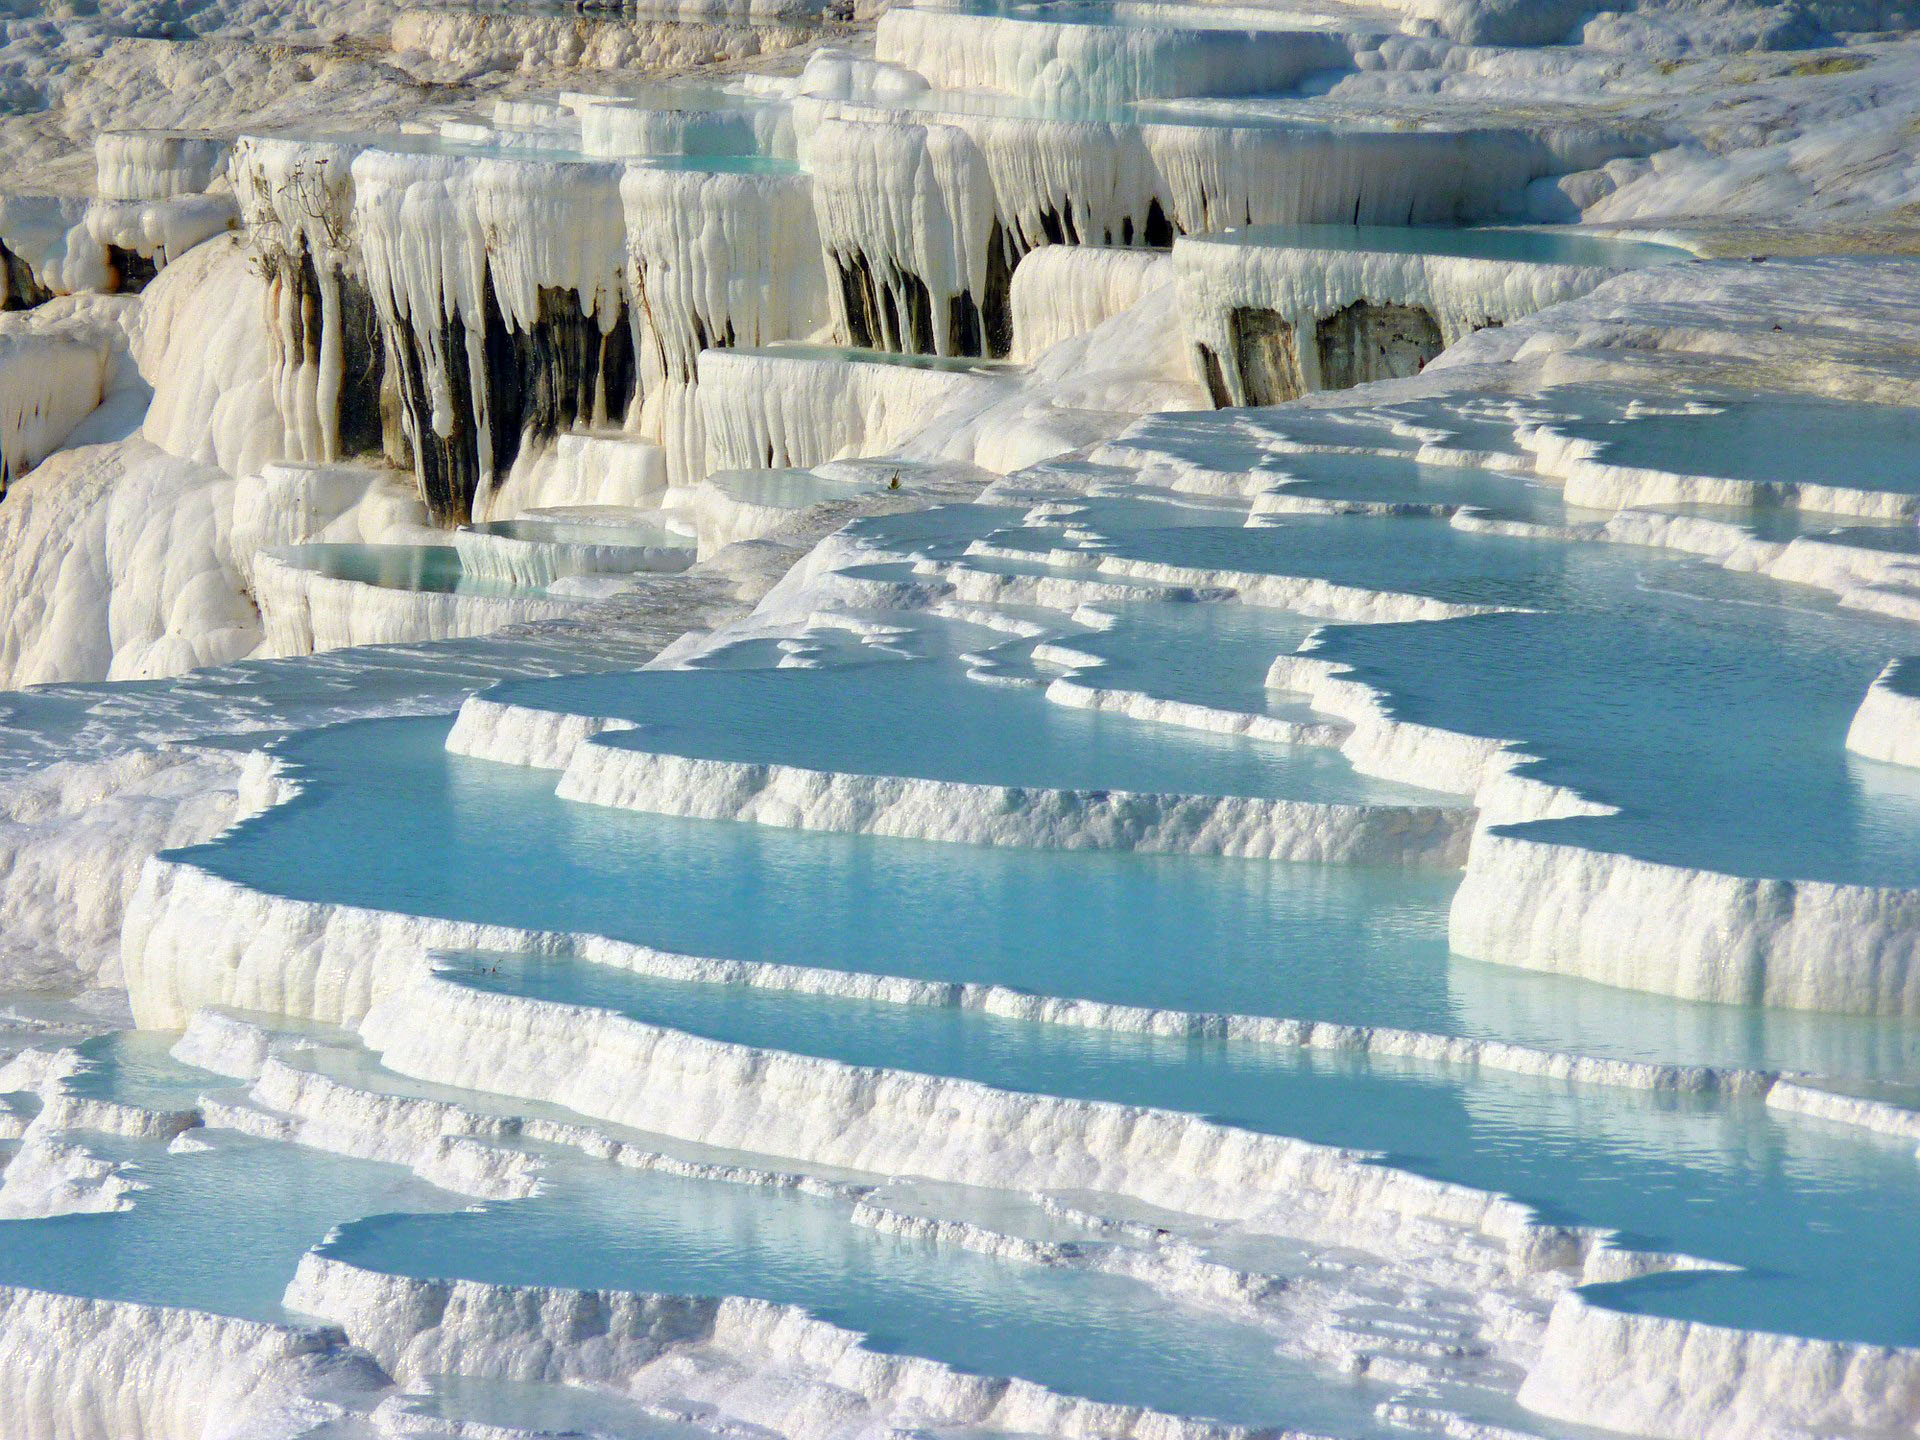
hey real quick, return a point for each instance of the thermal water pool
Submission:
(569, 1410)
(1724, 1178)
(1813, 1211)
(1401, 481)
(925, 718)
(1077, 1332)
(786, 489)
(435, 569)
(383, 804)
(218, 1226)
(1841, 443)
(1212, 655)
(219, 1229)
(1711, 707)
(243, 1211)
(635, 531)
(1543, 245)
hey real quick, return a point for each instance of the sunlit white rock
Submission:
(156, 164)
(48, 384)
(304, 611)
(795, 407)
(1887, 724)
(906, 807)
(1060, 291)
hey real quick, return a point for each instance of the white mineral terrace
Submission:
(1135, 720)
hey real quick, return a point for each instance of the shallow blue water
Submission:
(222, 1229)
(599, 1227)
(1636, 681)
(1263, 440)
(926, 718)
(1711, 707)
(1782, 523)
(1900, 538)
(218, 1230)
(385, 808)
(1818, 1212)
(385, 804)
(1215, 655)
(241, 1213)
(1399, 480)
(1717, 762)
(785, 489)
(1834, 442)
(1543, 246)
(549, 1409)
(941, 530)
(635, 532)
(434, 568)
(137, 1067)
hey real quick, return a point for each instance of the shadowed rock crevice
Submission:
(1266, 357)
(562, 371)
(1367, 342)
(20, 288)
(131, 271)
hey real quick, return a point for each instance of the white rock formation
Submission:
(1887, 724)
(100, 1370)
(303, 611)
(1060, 291)
(48, 385)
(210, 360)
(905, 807)
(120, 567)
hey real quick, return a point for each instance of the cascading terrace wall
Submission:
(925, 213)
(501, 293)
(450, 308)
(296, 201)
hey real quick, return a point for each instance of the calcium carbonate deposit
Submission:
(961, 720)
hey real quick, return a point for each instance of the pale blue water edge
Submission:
(1819, 1214)
(636, 532)
(1543, 246)
(1400, 480)
(1712, 707)
(220, 1230)
(926, 718)
(384, 807)
(1213, 655)
(1672, 644)
(223, 1228)
(547, 1409)
(1833, 442)
(1076, 1332)
(435, 569)
(1737, 435)
(786, 489)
